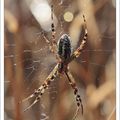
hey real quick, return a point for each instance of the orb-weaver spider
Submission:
(64, 57)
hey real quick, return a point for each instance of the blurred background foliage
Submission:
(28, 60)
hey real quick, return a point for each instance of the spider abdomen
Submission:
(64, 47)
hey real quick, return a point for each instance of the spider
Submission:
(64, 57)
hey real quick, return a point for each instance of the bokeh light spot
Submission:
(68, 16)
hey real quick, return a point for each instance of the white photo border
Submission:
(117, 60)
(2, 60)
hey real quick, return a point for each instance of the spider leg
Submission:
(53, 27)
(46, 39)
(31, 96)
(52, 44)
(52, 49)
(40, 91)
(76, 93)
(80, 48)
(53, 41)
(35, 101)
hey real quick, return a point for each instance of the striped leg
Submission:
(80, 48)
(76, 93)
(53, 26)
(54, 43)
(40, 91)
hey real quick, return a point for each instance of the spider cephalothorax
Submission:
(64, 57)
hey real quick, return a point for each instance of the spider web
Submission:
(38, 62)
(41, 62)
